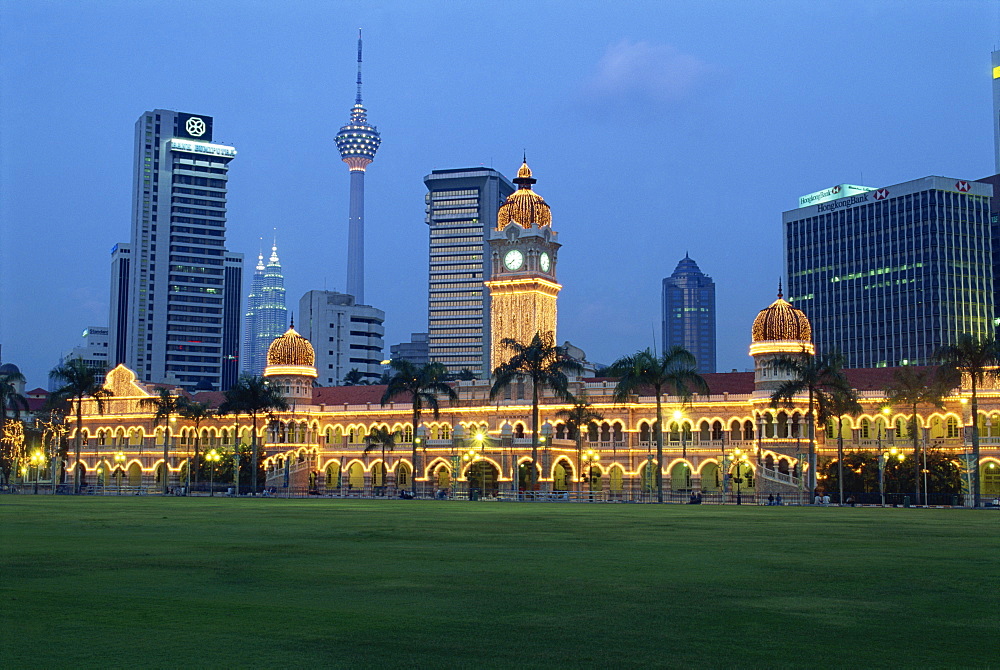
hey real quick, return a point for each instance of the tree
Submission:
(465, 375)
(423, 384)
(382, 438)
(11, 405)
(912, 387)
(580, 415)
(541, 363)
(819, 377)
(78, 382)
(674, 371)
(978, 357)
(252, 395)
(11, 400)
(843, 402)
(355, 378)
(166, 405)
(196, 412)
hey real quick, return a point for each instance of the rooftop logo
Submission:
(832, 193)
(195, 126)
(963, 186)
(842, 202)
(882, 194)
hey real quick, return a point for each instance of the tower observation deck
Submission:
(357, 142)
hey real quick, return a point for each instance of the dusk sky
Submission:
(653, 128)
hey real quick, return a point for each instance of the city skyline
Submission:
(717, 130)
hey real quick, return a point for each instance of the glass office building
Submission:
(689, 313)
(889, 275)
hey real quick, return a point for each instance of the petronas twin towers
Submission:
(267, 316)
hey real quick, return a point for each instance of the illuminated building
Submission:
(689, 313)
(523, 257)
(319, 441)
(995, 72)
(461, 208)
(267, 316)
(175, 304)
(891, 274)
(357, 141)
(347, 336)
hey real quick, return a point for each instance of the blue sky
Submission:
(653, 128)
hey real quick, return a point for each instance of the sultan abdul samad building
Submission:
(319, 442)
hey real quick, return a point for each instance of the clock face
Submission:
(544, 262)
(513, 259)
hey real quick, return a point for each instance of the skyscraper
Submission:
(461, 209)
(523, 257)
(995, 71)
(357, 141)
(889, 275)
(174, 314)
(267, 315)
(346, 336)
(689, 313)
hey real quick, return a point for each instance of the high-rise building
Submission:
(175, 304)
(523, 256)
(461, 208)
(357, 141)
(94, 351)
(689, 313)
(887, 276)
(995, 71)
(346, 336)
(267, 315)
(415, 351)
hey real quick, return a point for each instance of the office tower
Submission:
(174, 314)
(523, 253)
(357, 141)
(461, 209)
(267, 316)
(416, 350)
(689, 313)
(94, 350)
(995, 71)
(887, 276)
(345, 335)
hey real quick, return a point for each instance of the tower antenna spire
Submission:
(358, 99)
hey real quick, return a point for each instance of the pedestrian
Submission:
(818, 500)
(777, 501)
(770, 499)
(826, 500)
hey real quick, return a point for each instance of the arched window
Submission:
(445, 432)
(952, 427)
(408, 433)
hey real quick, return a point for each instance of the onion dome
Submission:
(9, 369)
(781, 323)
(291, 349)
(524, 207)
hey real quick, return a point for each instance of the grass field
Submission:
(172, 582)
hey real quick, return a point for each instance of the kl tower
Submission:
(357, 142)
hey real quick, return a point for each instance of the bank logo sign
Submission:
(194, 127)
(963, 186)
(833, 193)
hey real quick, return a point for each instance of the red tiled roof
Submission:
(875, 379)
(718, 382)
(213, 398)
(37, 393)
(351, 395)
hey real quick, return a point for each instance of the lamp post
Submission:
(120, 464)
(590, 459)
(472, 457)
(739, 459)
(884, 458)
(212, 457)
(37, 458)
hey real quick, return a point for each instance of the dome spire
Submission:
(780, 294)
(357, 100)
(524, 179)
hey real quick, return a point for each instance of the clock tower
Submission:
(522, 284)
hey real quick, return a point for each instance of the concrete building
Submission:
(267, 315)
(995, 72)
(688, 306)
(461, 208)
(346, 336)
(889, 275)
(357, 141)
(174, 315)
(416, 350)
(94, 350)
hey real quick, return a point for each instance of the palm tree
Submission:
(167, 405)
(196, 412)
(911, 388)
(578, 416)
(978, 358)
(820, 377)
(252, 395)
(79, 382)
(384, 439)
(423, 384)
(542, 363)
(11, 400)
(843, 402)
(355, 378)
(674, 371)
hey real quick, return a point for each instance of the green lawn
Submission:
(172, 582)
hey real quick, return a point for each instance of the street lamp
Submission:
(590, 459)
(472, 457)
(37, 458)
(120, 465)
(739, 459)
(884, 458)
(212, 457)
